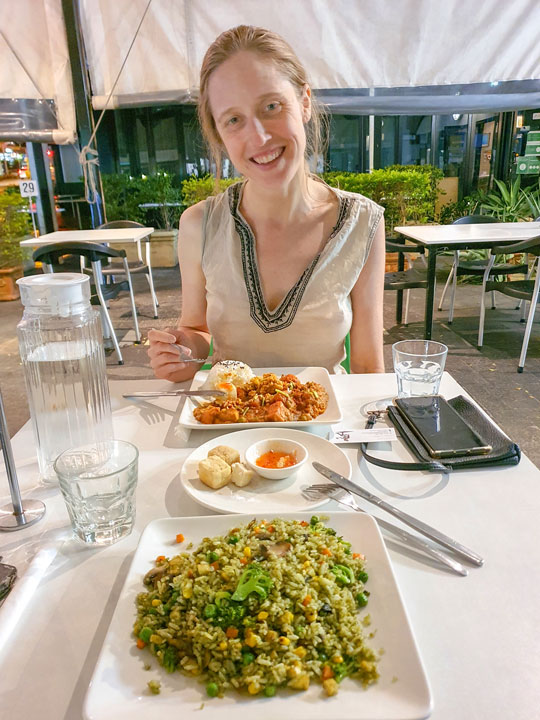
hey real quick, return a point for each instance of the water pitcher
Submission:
(61, 347)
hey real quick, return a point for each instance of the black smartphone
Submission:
(439, 427)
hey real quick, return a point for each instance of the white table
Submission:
(478, 635)
(460, 237)
(110, 237)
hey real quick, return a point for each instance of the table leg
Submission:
(430, 293)
(399, 299)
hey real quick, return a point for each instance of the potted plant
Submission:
(14, 227)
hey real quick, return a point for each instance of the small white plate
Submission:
(263, 495)
(118, 689)
(331, 415)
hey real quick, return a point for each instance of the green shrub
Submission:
(468, 205)
(407, 193)
(15, 224)
(196, 189)
(125, 194)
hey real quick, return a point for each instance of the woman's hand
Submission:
(166, 358)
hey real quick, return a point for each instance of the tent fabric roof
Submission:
(346, 45)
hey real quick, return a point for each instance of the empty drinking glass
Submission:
(98, 483)
(419, 366)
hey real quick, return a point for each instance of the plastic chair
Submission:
(474, 267)
(139, 266)
(405, 279)
(519, 289)
(50, 255)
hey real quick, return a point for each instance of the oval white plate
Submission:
(264, 495)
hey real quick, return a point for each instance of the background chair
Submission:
(519, 289)
(95, 254)
(405, 279)
(474, 267)
(138, 266)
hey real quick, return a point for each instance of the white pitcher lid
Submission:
(55, 290)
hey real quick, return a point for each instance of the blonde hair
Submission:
(269, 45)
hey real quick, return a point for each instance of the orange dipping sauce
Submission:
(275, 459)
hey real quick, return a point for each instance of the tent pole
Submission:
(81, 92)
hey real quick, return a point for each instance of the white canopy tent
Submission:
(421, 56)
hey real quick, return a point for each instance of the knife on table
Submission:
(409, 520)
(174, 393)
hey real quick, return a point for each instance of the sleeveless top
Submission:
(309, 326)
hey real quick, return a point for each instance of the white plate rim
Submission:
(260, 433)
(331, 415)
(362, 524)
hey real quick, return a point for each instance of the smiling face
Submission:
(260, 118)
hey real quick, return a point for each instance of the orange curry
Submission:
(267, 399)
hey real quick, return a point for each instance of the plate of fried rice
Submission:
(295, 616)
(273, 397)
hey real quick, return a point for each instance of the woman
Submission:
(280, 267)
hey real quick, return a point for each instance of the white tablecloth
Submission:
(478, 635)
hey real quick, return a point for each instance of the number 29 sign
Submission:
(28, 188)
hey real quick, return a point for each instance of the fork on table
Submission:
(344, 497)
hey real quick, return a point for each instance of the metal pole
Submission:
(20, 514)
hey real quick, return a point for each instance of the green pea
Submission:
(233, 540)
(270, 690)
(363, 576)
(145, 634)
(314, 520)
(210, 611)
(361, 599)
(247, 658)
(212, 556)
(212, 689)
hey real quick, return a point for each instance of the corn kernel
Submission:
(253, 688)
(156, 602)
(284, 640)
(251, 641)
(247, 551)
(311, 615)
(271, 635)
(301, 652)
(187, 591)
(262, 615)
(287, 617)
(306, 564)
(157, 639)
(337, 659)
(223, 645)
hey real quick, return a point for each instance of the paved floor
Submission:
(512, 399)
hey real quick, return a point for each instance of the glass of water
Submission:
(98, 483)
(419, 366)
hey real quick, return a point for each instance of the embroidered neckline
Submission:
(283, 315)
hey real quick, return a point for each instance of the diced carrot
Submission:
(306, 600)
(180, 538)
(243, 561)
(304, 523)
(140, 643)
(355, 555)
(160, 558)
(271, 529)
(231, 632)
(327, 672)
(326, 551)
(359, 555)
(215, 565)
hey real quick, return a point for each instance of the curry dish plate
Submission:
(331, 415)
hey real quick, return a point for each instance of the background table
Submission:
(436, 238)
(478, 635)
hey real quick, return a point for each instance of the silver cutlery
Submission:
(422, 527)
(315, 492)
(190, 359)
(174, 393)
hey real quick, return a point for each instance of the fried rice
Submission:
(269, 605)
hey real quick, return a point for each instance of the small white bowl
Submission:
(280, 445)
